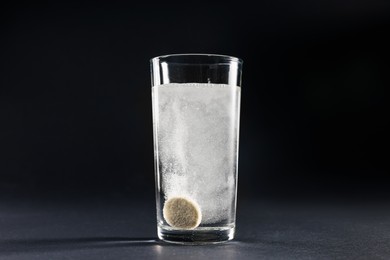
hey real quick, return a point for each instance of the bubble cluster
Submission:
(197, 129)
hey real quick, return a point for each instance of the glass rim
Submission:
(209, 55)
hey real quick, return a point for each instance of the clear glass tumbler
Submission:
(196, 114)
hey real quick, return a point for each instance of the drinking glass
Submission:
(196, 114)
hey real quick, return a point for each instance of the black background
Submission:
(75, 97)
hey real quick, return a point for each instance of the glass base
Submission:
(198, 236)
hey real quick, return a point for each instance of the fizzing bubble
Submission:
(197, 141)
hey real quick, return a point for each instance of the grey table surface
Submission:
(124, 229)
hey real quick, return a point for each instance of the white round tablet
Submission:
(182, 213)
